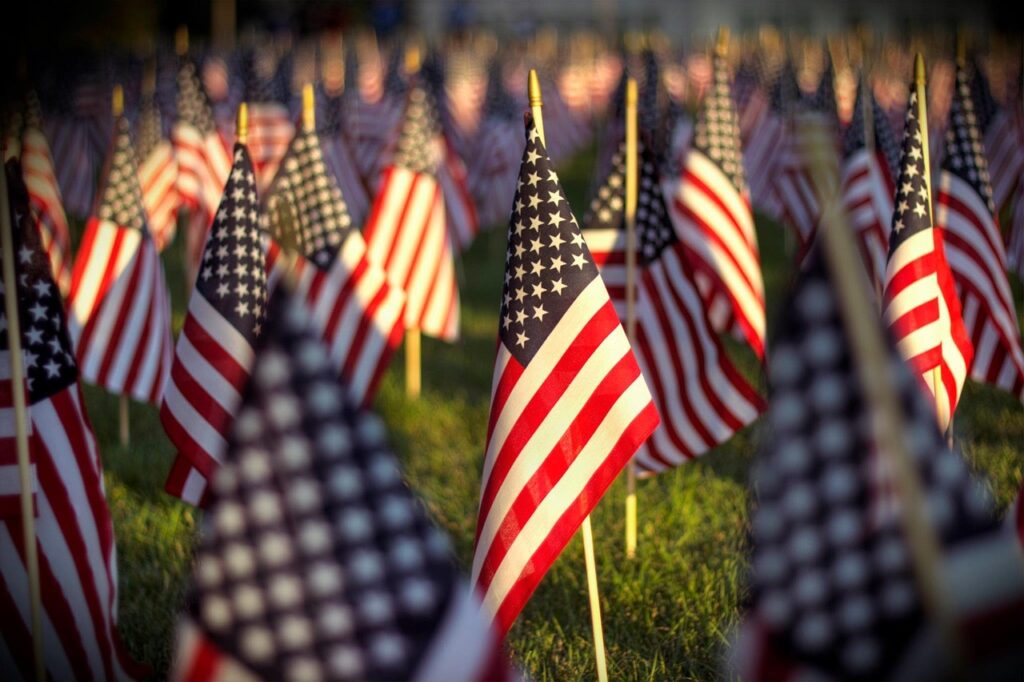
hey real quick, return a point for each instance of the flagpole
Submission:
(632, 182)
(920, 79)
(536, 104)
(413, 361)
(124, 428)
(28, 518)
(871, 360)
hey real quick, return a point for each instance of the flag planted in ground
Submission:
(920, 304)
(214, 354)
(701, 396)
(119, 309)
(569, 405)
(74, 531)
(358, 310)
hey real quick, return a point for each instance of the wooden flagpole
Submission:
(124, 428)
(872, 365)
(632, 185)
(308, 109)
(28, 518)
(413, 361)
(536, 104)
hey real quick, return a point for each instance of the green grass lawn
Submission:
(667, 613)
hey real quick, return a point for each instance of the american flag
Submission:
(702, 398)
(974, 248)
(267, 93)
(750, 95)
(74, 161)
(768, 142)
(920, 304)
(834, 594)
(339, 158)
(406, 232)
(74, 532)
(460, 209)
(214, 354)
(494, 166)
(119, 310)
(44, 196)
(316, 560)
(709, 205)
(357, 309)
(1015, 239)
(813, 122)
(569, 405)
(1003, 135)
(375, 106)
(867, 183)
(202, 155)
(158, 174)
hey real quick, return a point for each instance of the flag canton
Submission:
(832, 574)
(912, 212)
(121, 201)
(608, 207)
(49, 360)
(307, 210)
(150, 128)
(418, 148)
(716, 133)
(233, 275)
(316, 561)
(547, 264)
(193, 106)
(965, 154)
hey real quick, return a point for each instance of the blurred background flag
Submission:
(119, 310)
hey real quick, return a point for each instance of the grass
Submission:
(667, 613)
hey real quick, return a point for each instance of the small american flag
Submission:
(965, 213)
(214, 354)
(569, 405)
(44, 196)
(267, 92)
(701, 396)
(119, 310)
(710, 208)
(158, 174)
(203, 158)
(359, 312)
(768, 141)
(339, 157)
(406, 232)
(920, 303)
(867, 183)
(494, 166)
(74, 531)
(1003, 137)
(834, 594)
(316, 560)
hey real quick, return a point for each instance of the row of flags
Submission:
(254, 379)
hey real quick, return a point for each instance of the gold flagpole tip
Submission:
(412, 59)
(242, 124)
(722, 43)
(919, 72)
(308, 108)
(181, 40)
(534, 90)
(117, 101)
(631, 92)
